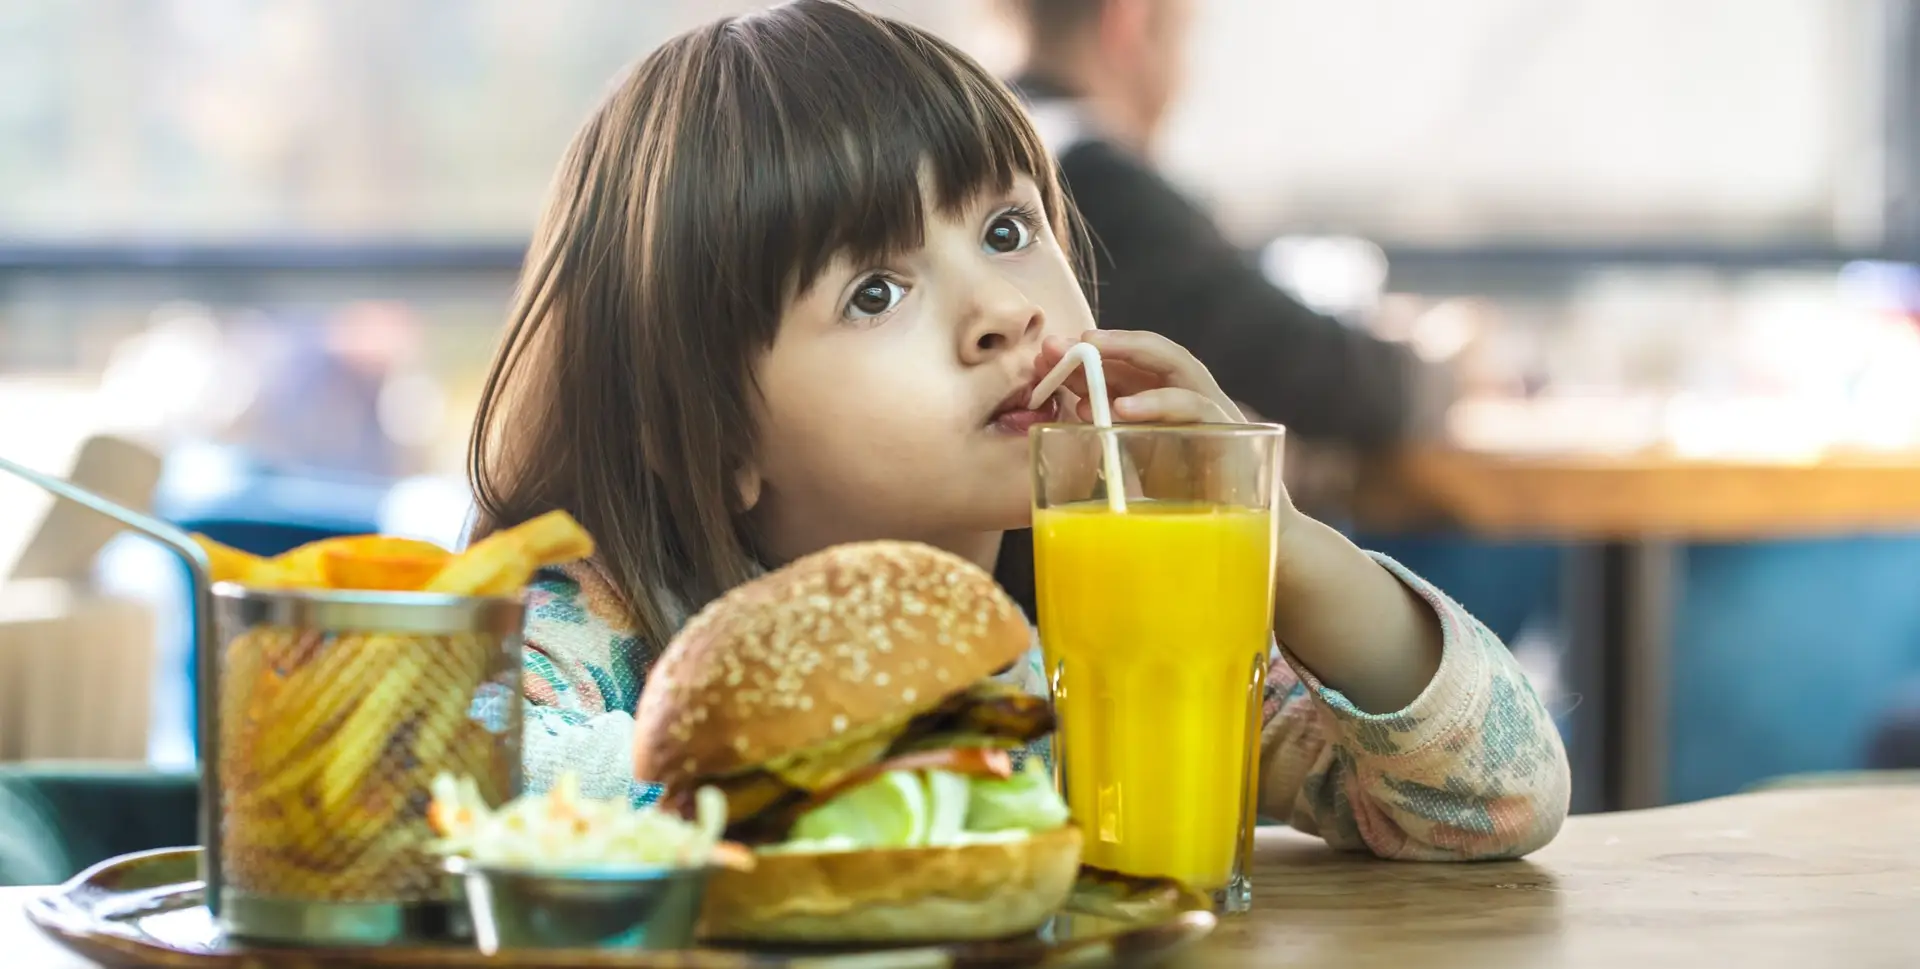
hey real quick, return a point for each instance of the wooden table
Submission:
(1792, 878)
(1624, 516)
(1626, 497)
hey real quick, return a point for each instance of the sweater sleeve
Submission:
(580, 681)
(1473, 768)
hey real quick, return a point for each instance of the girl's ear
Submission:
(747, 482)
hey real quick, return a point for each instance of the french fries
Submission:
(330, 741)
(385, 573)
(378, 562)
(228, 564)
(505, 560)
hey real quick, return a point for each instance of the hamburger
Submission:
(846, 707)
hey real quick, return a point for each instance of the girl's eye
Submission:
(1010, 231)
(874, 296)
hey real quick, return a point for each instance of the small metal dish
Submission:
(590, 908)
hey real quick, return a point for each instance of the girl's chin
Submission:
(1011, 508)
(1003, 520)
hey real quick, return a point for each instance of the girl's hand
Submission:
(1151, 380)
(1348, 619)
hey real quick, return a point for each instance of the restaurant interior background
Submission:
(275, 238)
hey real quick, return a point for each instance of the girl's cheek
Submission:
(1064, 302)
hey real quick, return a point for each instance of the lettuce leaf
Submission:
(1024, 802)
(910, 809)
(889, 811)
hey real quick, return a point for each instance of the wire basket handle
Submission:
(205, 652)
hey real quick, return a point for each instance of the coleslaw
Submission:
(560, 829)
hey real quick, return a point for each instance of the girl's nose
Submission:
(1002, 319)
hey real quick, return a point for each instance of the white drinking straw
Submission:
(1087, 357)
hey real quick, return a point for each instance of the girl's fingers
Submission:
(1052, 350)
(1168, 405)
(1164, 405)
(1122, 379)
(1167, 363)
(1152, 353)
(1140, 367)
(1118, 368)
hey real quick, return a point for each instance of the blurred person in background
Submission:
(318, 408)
(1099, 77)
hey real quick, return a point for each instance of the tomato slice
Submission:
(971, 761)
(734, 856)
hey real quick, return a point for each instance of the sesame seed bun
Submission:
(824, 652)
(985, 891)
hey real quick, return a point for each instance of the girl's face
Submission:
(892, 402)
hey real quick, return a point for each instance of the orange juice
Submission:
(1156, 624)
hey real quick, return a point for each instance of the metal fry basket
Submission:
(336, 710)
(323, 718)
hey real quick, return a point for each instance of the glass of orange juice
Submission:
(1156, 618)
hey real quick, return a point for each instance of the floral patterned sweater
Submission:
(1473, 768)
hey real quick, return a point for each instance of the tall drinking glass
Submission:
(1156, 617)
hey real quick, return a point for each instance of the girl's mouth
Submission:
(1017, 419)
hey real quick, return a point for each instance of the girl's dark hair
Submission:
(715, 184)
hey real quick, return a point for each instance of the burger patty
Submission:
(991, 709)
(957, 735)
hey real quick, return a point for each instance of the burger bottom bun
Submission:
(984, 891)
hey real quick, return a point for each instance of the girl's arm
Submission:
(1362, 630)
(580, 682)
(1395, 722)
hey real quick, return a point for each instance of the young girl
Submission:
(796, 280)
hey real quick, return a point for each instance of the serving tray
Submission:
(146, 910)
